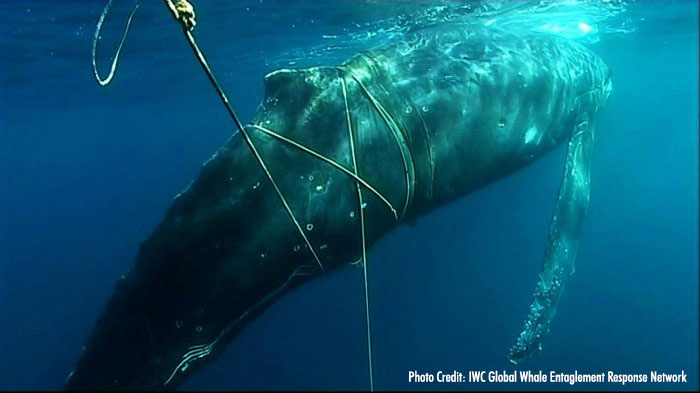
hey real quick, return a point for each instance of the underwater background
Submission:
(86, 174)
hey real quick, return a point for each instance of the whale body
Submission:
(349, 153)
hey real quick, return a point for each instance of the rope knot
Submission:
(183, 12)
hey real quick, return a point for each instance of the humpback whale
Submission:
(350, 152)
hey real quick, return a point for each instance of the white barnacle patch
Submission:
(309, 226)
(479, 70)
(584, 27)
(531, 134)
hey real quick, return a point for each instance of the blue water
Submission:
(86, 173)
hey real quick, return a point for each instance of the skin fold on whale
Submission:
(354, 150)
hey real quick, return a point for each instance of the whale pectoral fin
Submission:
(562, 243)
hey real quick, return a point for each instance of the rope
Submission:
(327, 160)
(398, 138)
(98, 31)
(183, 12)
(362, 226)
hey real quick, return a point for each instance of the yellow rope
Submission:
(183, 12)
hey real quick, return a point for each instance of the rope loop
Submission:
(98, 32)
